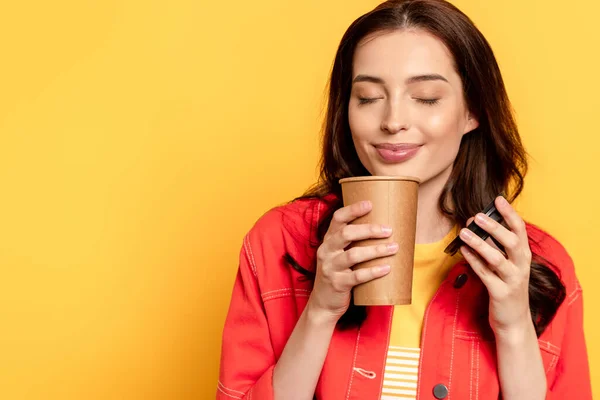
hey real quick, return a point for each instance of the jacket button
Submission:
(460, 281)
(440, 391)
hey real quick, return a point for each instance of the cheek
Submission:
(442, 124)
(363, 128)
(361, 124)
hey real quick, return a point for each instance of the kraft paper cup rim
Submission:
(379, 178)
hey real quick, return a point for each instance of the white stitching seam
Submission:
(353, 364)
(231, 390)
(552, 363)
(388, 341)
(467, 336)
(575, 293)
(471, 372)
(227, 394)
(283, 290)
(249, 251)
(574, 296)
(550, 347)
(467, 332)
(477, 379)
(452, 351)
(276, 296)
(423, 342)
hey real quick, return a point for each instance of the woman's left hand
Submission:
(506, 276)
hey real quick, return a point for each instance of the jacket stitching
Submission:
(423, 341)
(471, 371)
(575, 291)
(472, 336)
(477, 373)
(388, 342)
(229, 389)
(452, 351)
(552, 363)
(277, 296)
(227, 394)
(574, 296)
(249, 251)
(353, 364)
(468, 334)
(550, 347)
(283, 290)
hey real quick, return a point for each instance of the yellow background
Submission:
(139, 141)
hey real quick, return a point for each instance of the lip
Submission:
(397, 152)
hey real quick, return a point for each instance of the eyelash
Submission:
(428, 102)
(364, 100)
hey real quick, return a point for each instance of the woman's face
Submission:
(407, 113)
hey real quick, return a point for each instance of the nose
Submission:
(395, 119)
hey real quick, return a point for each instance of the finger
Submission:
(491, 240)
(512, 218)
(487, 276)
(494, 258)
(521, 252)
(360, 254)
(363, 275)
(347, 214)
(506, 242)
(352, 233)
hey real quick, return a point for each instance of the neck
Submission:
(432, 225)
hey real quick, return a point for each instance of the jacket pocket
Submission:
(550, 356)
(477, 353)
(476, 376)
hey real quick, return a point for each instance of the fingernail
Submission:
(481, 219)
(503, 202)
(386, 229)
(384, 269)
(365, 204)
(392, 246)
(466, 234)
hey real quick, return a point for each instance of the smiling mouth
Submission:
(397, 153)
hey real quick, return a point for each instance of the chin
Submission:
(396, 170)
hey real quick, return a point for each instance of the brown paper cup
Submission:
(394, 200)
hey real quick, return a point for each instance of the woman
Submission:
(415, 90)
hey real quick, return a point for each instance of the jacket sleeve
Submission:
(247, 357)
(572, 369)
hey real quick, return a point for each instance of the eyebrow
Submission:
(412, 79)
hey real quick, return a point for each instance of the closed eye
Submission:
(367, 100)
(429, 102)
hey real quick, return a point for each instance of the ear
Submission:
(472, 123)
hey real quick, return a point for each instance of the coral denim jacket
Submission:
(457, 345)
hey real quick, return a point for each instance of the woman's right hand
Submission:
(334, 280)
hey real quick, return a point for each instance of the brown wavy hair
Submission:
(491, 158)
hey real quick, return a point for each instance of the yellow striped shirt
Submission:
(400, 377)
(402, 364)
